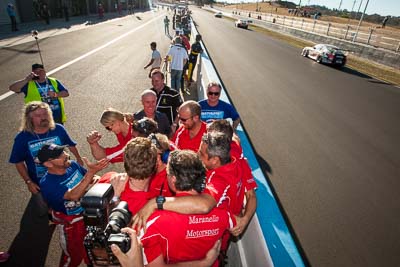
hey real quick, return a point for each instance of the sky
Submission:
(381, 7)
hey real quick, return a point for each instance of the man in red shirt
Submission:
(243, 212)
(174, 237)
(223, 178)
(191, 129)
(140, 158)
(159, 183)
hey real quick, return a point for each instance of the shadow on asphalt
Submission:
(362, 75)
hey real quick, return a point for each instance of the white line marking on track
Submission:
(4, 96)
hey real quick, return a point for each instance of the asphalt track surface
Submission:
(328, 140)
(111, 77)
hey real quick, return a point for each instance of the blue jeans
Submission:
(176, 76)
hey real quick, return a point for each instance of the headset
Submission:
(164, 154)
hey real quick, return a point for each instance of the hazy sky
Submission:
(381, 7)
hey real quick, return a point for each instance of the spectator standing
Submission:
(38, 87)
(179, 57)
(168, 100)
(149, 102)
(174, 237)
(385, 20)
(11, 13)
(100, 10)
(113, 121)
(30, 246)
(155, 61)
(45, 13)
(213, 108)
(191, 129)
(62, 187)
(166, 25)
(194, 52)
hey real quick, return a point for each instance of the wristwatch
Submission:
(160, 201)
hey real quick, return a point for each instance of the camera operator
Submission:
(38, 87)
(62, 187)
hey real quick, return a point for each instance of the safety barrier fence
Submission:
(373, 36)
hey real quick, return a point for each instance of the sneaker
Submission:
(187, 91)
(4, 256)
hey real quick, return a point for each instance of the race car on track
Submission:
(218, 15)
(242, 23)
(325, 53)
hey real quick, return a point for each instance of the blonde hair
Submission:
(111, 115)
(26, 122)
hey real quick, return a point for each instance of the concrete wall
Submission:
(379, 55)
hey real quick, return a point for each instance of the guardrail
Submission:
(373, 36)
(267, 241)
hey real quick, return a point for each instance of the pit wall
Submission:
(267, 241)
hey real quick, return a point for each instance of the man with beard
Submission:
(191, 130)
(62, 187)
(30, 246)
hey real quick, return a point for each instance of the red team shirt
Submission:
(122, 141)
(158, 181)
(182, 139)
(182, 237)
(135, 199)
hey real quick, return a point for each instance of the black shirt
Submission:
(168, 102)
(164, 126)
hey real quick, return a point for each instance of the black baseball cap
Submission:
(49, 151)
(37, 66)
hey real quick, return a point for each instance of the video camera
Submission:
(104, 224)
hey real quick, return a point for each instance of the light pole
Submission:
(359, 7)
(352, 8)
(359, 24)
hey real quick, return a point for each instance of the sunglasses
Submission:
(108, 128)
(213, 93)
(184, 120)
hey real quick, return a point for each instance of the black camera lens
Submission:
(119, 217)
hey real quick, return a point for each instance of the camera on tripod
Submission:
(104, 224)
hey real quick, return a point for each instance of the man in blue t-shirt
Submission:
(213, 108)
(38, 128)
(62, 187)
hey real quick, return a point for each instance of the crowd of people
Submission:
(182, 56)
(186, 182)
